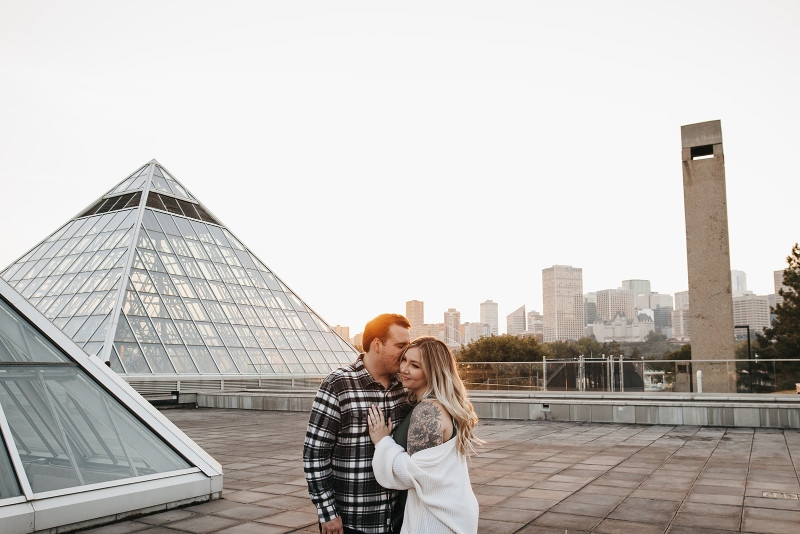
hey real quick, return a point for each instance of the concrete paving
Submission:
(530, 477)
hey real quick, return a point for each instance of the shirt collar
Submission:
(367, 380)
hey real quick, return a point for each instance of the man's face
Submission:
(397, 340)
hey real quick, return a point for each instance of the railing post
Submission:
(544, 371)
(610, 368)
(621, 377)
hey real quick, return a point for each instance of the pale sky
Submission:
(372, 153)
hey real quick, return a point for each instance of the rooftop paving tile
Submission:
(530, 477)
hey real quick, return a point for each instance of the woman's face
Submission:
(411, 372)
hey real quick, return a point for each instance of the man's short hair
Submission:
(378, 328)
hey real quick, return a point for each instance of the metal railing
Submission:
(620, 374)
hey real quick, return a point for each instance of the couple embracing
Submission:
(389, 437)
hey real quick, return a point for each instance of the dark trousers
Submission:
(348, 530)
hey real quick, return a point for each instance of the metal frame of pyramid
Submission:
(78, 446)
(148, 280)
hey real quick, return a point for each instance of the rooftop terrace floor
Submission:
(531, 476)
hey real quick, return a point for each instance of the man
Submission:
(337, 455)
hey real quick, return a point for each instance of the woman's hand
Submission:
(378, 428)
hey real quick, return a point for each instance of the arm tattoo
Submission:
(423, 429)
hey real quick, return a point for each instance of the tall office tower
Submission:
(343, 331)
(515, 321)
(738, 283)
(637, 286)
(489, 316)
(681, 300)
(662, 316)
(590, 308)
(536, 324)
(148, 280)
(475, 331)
(564, 317)
(652, 300)
(610, 302)
(680, 324)
(777, 278)
(708, 253)
(452, 327)
(660, 300)
(415, 312)
(753, 311)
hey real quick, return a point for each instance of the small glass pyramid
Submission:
(77, 445)
(147, 279)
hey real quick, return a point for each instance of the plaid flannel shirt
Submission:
(337, 454)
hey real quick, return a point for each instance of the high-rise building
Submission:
(590, 307)
(358, 339)
(662, 316)
(652, 301)
(474, 331)
(77, 445)
(660, 300)
(342, 331)
(515, 321)
(564, 316)
(415, 312)
(682, 300)
(637, 286)
(680, 324)
(536, 324)
(753, 311)
(610, 302)
(489, 316)
(452, 327)
(149, 280)
(738, 283)
(777, 278)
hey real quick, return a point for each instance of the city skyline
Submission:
(503, 137)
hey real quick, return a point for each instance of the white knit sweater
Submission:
(440, 498)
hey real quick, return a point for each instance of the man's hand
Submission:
(334, 526)
(378, 429)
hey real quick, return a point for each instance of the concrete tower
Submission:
(707, 252)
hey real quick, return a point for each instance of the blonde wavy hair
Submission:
(445, 385)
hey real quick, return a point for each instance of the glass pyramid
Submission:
(147, 279)
(76, 443)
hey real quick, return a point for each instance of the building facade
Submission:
(564, 316)
(611, 302)
(489, 316)
(516, 321)
(738, 283)
(474, 331)
(622, 329)
(536, 324)
(415, 312)
(637, 286)
(753, 311)
(452, 327)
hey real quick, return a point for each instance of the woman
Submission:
(438, 438)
